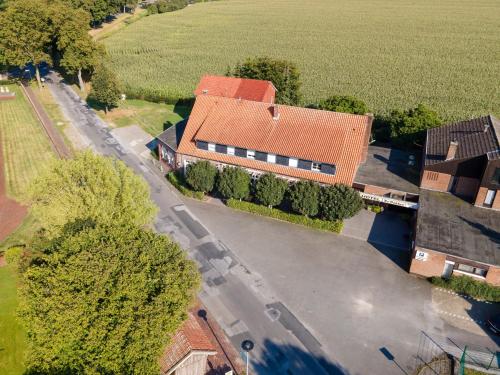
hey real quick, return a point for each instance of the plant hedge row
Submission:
(180, 184)
(332, 226)
(468, 286)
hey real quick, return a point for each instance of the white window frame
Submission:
(292, 162)
(315, 167)
(490, 197)
(271, 158)
(211, 147)
(230, 150)
(251, 154)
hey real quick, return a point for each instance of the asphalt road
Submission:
(313, 302)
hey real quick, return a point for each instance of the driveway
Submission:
(355, 298)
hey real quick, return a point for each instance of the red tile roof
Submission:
(230, 87)
(189, 338)
(319, 136)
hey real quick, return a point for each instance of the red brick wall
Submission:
(493, 276)
(481, 195)
(370, 189)
(435, 181)
(496, 202)
(433, 266)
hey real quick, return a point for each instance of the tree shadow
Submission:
(290, 359)
(183, 107)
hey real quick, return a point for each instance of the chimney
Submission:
(452, 150)
(486, 127)
(275, 112)
(205, 91)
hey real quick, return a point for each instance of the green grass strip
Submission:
(331, 226)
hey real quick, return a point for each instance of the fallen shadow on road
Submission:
(281, 357)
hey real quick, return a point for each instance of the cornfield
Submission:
(392, 54)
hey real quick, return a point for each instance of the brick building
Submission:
(458, 222)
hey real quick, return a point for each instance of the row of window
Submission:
(269, 158)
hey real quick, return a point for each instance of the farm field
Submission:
(390, 54)
(26, 147)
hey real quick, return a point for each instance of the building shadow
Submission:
(492, 234)
(397, 162)
(183, 107)
(290, 359)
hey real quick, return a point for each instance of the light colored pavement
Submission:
(316, 298)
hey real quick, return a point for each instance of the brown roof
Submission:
(231, 87)
(319, 136)
(475, 137)
(189, 338)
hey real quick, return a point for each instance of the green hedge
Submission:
(331, 226)
(179, 183)
(468, 286)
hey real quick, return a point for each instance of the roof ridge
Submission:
(495, 124)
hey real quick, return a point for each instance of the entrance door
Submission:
(448, 269)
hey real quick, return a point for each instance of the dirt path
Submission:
(57, 141)
(11, 212)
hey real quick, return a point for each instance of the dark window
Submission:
(282, 160)
(221, 149)
(241, 152)
(328, 169)
(262, 156)
(495, 180)
(202, 145)
(305, 164)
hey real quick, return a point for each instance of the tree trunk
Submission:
(80, 81)
(106, 109)
(38, 79)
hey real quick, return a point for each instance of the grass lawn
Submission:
(391, 54)
(152, 117)
(12, 337)
(26, 148)
(22, 235)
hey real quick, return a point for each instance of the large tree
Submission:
(339, 202)
(283, 74)
(201, 176)
(304, 197)
(91, 187)
(26, 33)
(343, 103)
(103, 299)
(270, 190)
(234, 183)
(105, 87)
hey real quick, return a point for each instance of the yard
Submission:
(12, 337)
(390, 54)
(26, 148)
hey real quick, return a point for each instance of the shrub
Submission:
(331, 226)
(303, 197)
(13, 255)
(201, 176)
(270, 190)
(343, 103)
(283, 74)
(468, 286)
(179, 183)
(234, 182)
(339, 202)
(152, 9)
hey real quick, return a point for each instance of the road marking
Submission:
(480, 322)
(443, 290)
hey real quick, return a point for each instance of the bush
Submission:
(304, 196)
(331, 226)
(152, 9)
(234, 182)
(270, 190)
(283, 74)
(375, 208)
(13, 255)
(468, 286)
(179, 183)
(339, 202)
(201, 176)
(343, 103)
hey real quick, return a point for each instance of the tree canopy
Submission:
(201, 176)
(103, 299)
(234, 182)
(283, 74)
(304, 197)
(343, 103)
(89, 187)
(105, 87)
(270, 190)
(339, 202)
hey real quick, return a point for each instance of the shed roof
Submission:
(173, 135)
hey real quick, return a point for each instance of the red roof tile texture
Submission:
(302, 133)
(190, 337)
(230, 87)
